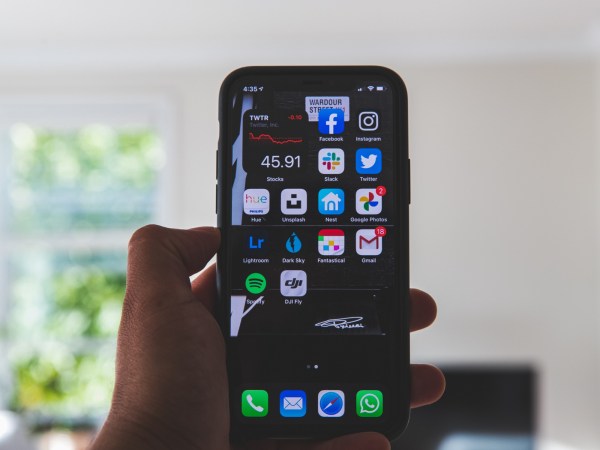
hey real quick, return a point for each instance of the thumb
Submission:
(161, 260)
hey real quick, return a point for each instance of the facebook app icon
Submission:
(331, 121)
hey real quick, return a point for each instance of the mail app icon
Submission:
(368, 243)
(292, 403)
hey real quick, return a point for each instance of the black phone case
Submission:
(399, 404)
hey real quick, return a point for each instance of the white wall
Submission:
(504, 215)
(504, 227)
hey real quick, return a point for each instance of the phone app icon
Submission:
(255, 403)
(331, 242)
(331, 403)
(368, 121)
(293, 244)
(368, 161)
(331, 161)
(256, 202)
(256, 283)
(293, 283)
(368, 202)
(293, 201)
(331, 121)
(368, 243)
(331, 201)
(369, 403)
(292, 403)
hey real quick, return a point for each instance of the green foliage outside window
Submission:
(64, 319)
(65, 302)
(96, 177)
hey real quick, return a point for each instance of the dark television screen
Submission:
(484, 408)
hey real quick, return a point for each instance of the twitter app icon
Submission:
(368, 161)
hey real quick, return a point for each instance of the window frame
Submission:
(67, 112)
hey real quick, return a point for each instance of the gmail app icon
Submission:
(292, 403)
(368, 243)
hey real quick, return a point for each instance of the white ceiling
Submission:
(195, 32)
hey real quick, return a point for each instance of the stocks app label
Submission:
(274, 144)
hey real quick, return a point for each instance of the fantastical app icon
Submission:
(331, 242)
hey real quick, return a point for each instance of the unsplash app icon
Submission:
(293, 201)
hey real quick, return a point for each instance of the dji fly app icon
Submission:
(293, 283)
(331, 121)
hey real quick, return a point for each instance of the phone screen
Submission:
(313, 269)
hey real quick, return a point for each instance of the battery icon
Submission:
(380, 88)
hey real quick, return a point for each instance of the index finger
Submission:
(423, 310)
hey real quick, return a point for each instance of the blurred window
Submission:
(71, 193)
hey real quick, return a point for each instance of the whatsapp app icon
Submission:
(369, 403)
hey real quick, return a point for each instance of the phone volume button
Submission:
(409, 182)
(217, 164)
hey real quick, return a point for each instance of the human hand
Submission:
(171, 388)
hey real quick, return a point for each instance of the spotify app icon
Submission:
(256, 283)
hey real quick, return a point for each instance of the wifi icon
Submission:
(256, 283)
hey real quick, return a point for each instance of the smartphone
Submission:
(312, 197)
